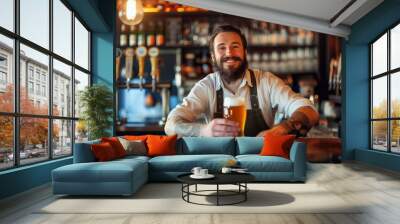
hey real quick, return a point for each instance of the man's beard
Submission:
(230, 75)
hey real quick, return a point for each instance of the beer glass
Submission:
(235, 110)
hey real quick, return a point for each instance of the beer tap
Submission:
(155, 70)
(118, 64)
(129, 54)
(141, 55)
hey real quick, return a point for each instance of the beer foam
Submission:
(233, 101)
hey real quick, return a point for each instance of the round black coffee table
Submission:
(238, 179)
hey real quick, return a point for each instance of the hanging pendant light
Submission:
(130, 12)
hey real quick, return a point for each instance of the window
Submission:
(7, 14)
(37, 74)
(30, 73)
(3, 72)
(38, 89)
(44, 77)
(385, 95)
(7, 90)
(3, 78)
(81, 45)
(3, 61)
(62, 30)
(44, 91)
(41, 83)
(30, 87)
(35, 22)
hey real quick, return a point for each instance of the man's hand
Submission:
(299, 123)
(220, 127)
(280, 129)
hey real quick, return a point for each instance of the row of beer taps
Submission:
(140, 53)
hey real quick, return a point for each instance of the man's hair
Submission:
(223, 29)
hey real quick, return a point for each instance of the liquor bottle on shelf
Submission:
(160, 37)
(188, 68)
(173, 31)
(283, 35)
(141, 36)
(151, 36)
(132, 36)
(206, 67)
(123, 39)
(274, 34)
(187, 34)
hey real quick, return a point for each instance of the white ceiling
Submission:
(321, 9)
(315, 15)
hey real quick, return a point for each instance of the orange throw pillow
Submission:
(136, 137)
(116, 145)
(103, 152)
(277, 145)
(161, 145)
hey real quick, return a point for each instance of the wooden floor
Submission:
(377, 188)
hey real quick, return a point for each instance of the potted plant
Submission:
(96, 103)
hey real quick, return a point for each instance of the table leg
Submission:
(245, 191)
(217, 194)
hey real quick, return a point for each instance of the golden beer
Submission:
(235, 110)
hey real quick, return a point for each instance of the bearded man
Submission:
(201, 112)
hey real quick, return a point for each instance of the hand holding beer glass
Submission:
(235, 110)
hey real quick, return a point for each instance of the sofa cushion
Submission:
(277, 145)
(159, 145)
(249, 145)
(135, 137)
(97, 172)
(103, 151)
(135, 147)
(257, 163)
(128, 159)
(116, 145)
(206, 145)
(185, 163)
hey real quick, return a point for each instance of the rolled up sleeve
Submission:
(183, 119)
(286, 100)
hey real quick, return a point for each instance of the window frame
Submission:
(388, 74)
(16, 114)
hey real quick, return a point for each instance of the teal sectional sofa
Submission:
(125, 176)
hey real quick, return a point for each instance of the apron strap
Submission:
(253, 92)
(220, 104)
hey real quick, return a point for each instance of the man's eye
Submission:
(221, 48)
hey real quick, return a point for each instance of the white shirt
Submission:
(198, 107)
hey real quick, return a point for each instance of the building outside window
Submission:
(3, 72)
(37, 75)
(44, 91)
(385, 94)
(30, 72)
(3, 78)
(44, 77)
(30, 87)
(59, 125)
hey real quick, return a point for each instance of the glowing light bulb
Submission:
(130, 9)
(130, 12)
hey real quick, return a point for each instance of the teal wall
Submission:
(103, 51)
(24, 178)
(93, 13)
(356, 85)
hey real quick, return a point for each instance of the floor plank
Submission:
(375, 189)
